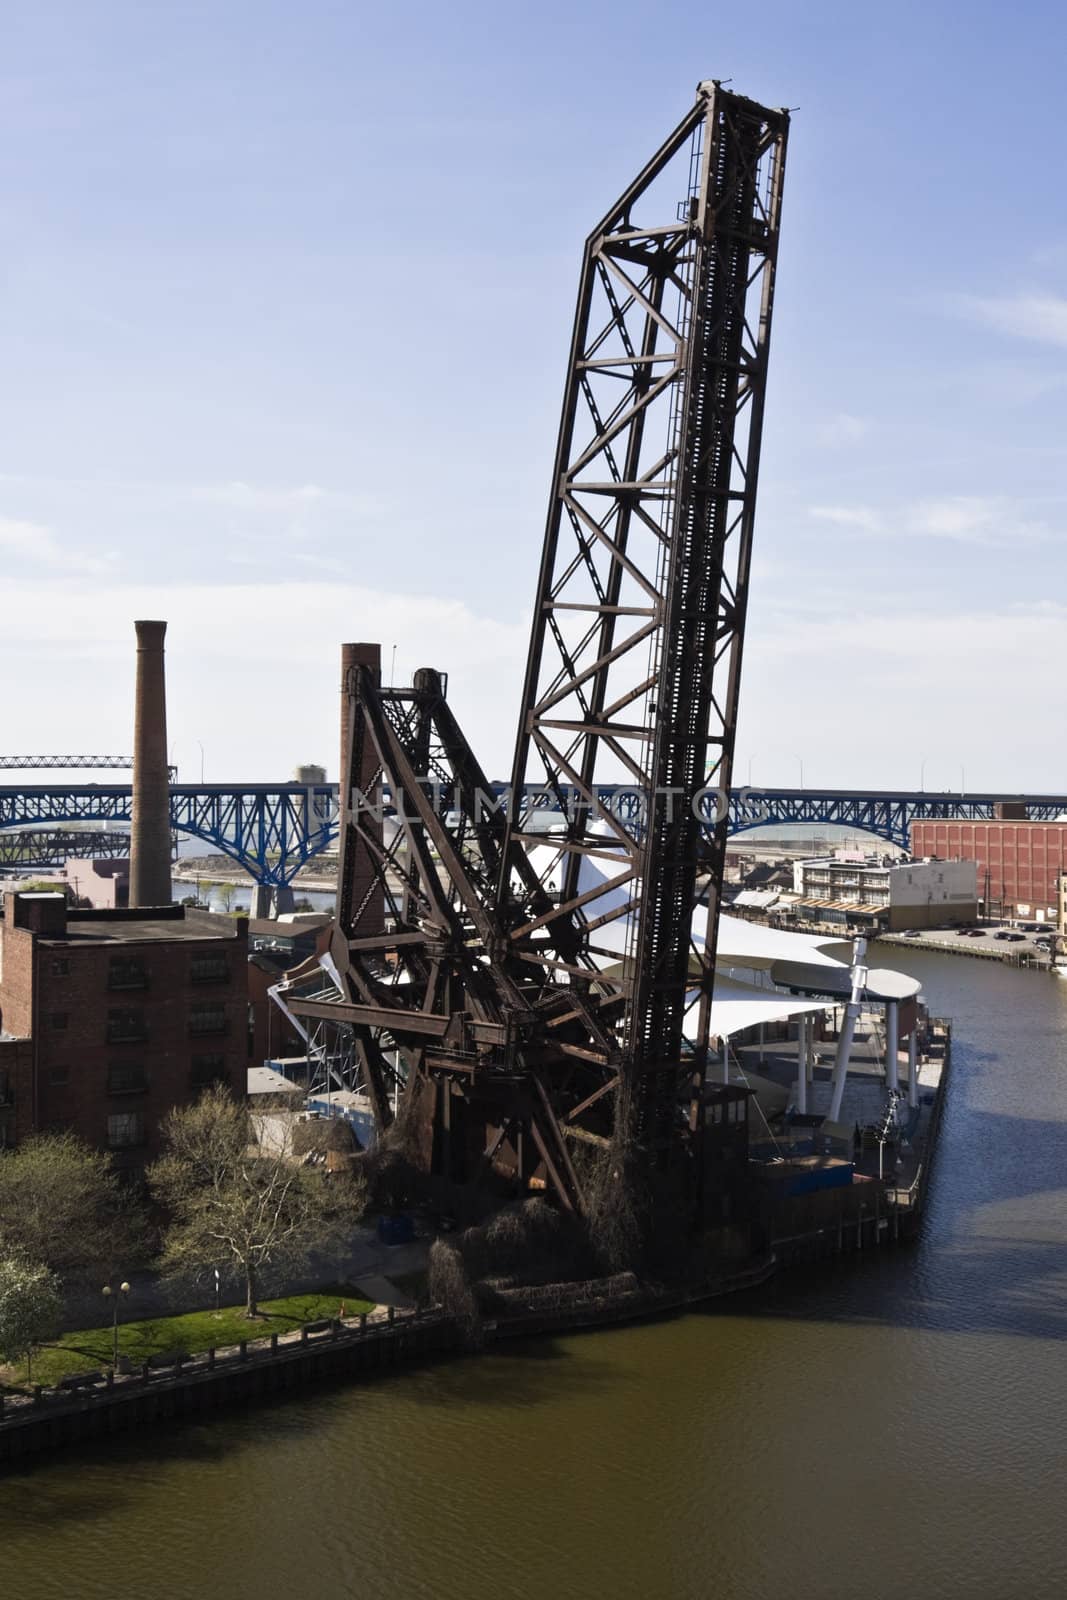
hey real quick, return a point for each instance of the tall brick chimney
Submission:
(352, 656)
(150, 824)
(372, 919)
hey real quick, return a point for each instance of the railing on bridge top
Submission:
(272, 830)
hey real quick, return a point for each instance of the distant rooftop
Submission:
(157, 927)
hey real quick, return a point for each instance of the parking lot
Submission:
(1003, 940)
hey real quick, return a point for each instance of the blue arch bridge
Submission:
(271, 831)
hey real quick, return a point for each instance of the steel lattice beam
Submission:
(29, 847)
(488, 979)
(66, 763)
(635, 655)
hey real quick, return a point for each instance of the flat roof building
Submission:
(884, 892)
(1019, 863)
(126, 1013)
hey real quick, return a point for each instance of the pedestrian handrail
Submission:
(80, 1388)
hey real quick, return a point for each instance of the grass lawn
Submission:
(91, 1348)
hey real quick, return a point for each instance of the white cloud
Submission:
(34, 544)
(867, 690)
(974, 519)
(252, 668)
(862, 517)
(965, 517)
(279, 499)
(1025, 316)
(842, 429)
(991, 520)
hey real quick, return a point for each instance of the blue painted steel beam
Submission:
(272, 830)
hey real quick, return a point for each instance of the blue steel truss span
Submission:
(888, 813)
(272, 830)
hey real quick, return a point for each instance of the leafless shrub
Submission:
(617, 1218)
(451, 1288)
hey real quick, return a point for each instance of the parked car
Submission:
(1032, 927)
(1006, 933)
(972, 933)
(911, 933)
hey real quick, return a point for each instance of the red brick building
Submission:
(110, 1018)
(1019, 863)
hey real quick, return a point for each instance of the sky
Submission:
(286, 291)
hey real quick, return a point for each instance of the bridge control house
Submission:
(110, 1018)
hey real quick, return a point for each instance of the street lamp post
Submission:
(201, 760)
(115, 1295)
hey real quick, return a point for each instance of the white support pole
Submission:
(809, 1053)
(892, 1041)
(725, 1059)
(802, 1066)
(848, 1029)
(913, 1069)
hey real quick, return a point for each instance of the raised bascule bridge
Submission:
(528, 1012)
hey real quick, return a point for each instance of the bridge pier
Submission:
(272, 899)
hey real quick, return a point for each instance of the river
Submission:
(891, 1426)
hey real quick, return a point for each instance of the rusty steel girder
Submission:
(531, 990)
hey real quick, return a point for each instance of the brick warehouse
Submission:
(1019, 863)
(110, 1018)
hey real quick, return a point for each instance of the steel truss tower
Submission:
(535, 992)
(635, 658)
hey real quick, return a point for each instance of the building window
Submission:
(208, 1019)
(123, 1026)
(58, 1077)
(209, 969)
(57, 1019)
(207, 1070)
(125, 972)
(124, 1130)
(126, 1078)
(60, 967)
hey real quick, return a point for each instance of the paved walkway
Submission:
(366, 1261)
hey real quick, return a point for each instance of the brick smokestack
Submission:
(150, 825)
(372, 919)
(352, 656)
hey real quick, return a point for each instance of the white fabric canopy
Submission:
(736, 1006)
(741, 944)
(754, 945)
(882, 982)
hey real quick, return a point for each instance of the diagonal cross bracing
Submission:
(651, 522)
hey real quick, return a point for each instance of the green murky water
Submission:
(895, 1426)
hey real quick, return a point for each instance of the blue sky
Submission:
(286, 297)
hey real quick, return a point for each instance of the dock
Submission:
(825, 1193)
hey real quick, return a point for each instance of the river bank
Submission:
(890, 1424)
(821, 1220)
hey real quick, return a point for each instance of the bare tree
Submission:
(29, 1308)
(227, 894)
(61, 1203)
(251, 1208)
